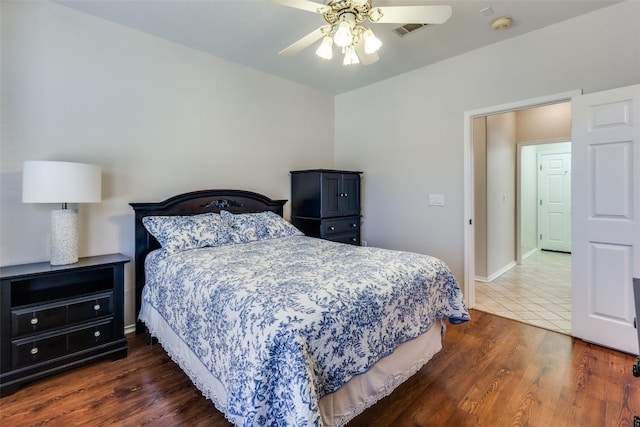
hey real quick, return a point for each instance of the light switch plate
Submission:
(436, 199)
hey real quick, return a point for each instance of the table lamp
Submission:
(62, 182)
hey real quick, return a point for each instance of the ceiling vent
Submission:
(408, 28)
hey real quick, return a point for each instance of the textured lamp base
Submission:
(64, 236)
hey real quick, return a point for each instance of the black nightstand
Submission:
(58, 317)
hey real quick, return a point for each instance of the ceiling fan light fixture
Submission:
(325, 50)
(371, 43)
(345, 26)
(350, 56)
(343, 36)
(375, 14)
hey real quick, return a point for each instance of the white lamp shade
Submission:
(343, 36)
(371, 43)
(61, 182)
(325, 50)
(350, 56)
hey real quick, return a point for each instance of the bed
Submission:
(277, 328)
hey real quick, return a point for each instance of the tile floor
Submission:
(537, 292)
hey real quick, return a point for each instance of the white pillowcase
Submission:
(260, 226)
(181, 233)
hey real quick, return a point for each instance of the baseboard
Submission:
(528, 254)
(496, 274)
(130, 329)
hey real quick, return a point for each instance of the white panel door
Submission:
(606, 216)
(554, 204)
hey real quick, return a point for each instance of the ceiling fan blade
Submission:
(366, 59)
(415, 14)
(307, 5)
(304, 42)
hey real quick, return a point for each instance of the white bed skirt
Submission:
(337, 408)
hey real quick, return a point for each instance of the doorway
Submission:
(511, 267)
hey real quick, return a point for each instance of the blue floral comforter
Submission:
(283, 322)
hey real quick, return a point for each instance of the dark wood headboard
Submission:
(196, 202)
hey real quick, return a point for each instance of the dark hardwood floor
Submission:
(491, 372)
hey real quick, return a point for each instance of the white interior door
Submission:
(554, 207)
(606, 216)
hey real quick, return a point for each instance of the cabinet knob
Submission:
(34, 321)
(332, 228)
(354, 225)
(345, 195)
(96, 334)
(96, 307)
(353, 239)
(34, 350)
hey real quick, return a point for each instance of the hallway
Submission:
(537, 292)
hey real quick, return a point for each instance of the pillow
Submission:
(180, 233)
(260, 226)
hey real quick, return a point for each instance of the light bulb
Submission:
(325, 50)
(371, 42)
(343, 36)
(350, 56)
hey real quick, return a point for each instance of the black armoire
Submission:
(325, 203)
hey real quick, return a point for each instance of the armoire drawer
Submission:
(350, 238)
(340, 226)
(40, 318)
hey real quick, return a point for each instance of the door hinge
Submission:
(541, 237)
(540, 202)
(470, 222)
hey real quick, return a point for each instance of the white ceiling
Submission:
(252, 32)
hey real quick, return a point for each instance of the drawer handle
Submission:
(354, 225)
(345, 195)
(96, 334)
(34, 350)
(332, 228)
(96, 307)
(353, 239)
(34, 321)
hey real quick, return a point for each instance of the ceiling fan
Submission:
(344, 29)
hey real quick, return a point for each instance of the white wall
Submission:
(160, 119)
(480, 195)
(528, 199)
(413, 141)
(546, 123)
(501, 192)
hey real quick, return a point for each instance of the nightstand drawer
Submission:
(35, 319)
(31, 351)
(27, 353)
(90, 308)
(339, 226)
(90, 337)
